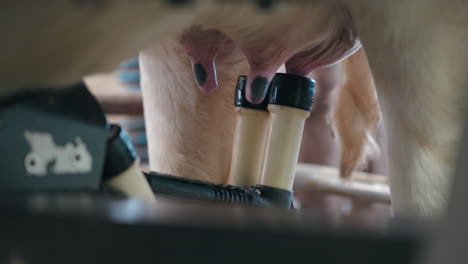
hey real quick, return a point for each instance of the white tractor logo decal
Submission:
(70, 158)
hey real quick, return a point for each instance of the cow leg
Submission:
(417, 51)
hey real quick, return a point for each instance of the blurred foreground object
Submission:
(175, 232)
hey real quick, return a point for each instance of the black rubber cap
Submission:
(278, 197)
(120, 152)
(292, 90)
(241, 101)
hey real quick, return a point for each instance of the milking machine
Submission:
(69, 175)
(69, 145)
(277, 139)
(66, 144)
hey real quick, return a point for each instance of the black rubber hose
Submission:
(258, 195)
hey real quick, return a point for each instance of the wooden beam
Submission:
(113, 97)
(362, 186)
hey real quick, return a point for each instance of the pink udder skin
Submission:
(201, 46)
(300, 62)
(326, 54)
